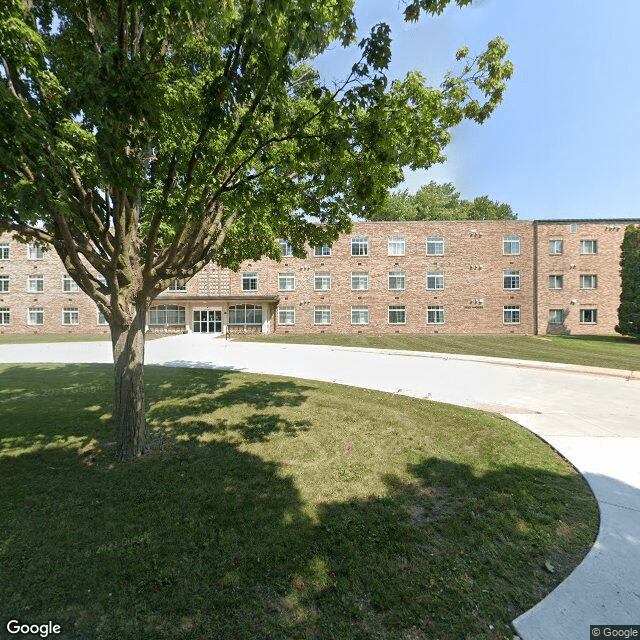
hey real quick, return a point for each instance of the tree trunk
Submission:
(130, 408)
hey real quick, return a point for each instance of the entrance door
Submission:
(207, 321)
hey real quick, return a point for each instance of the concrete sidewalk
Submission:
(592, 417)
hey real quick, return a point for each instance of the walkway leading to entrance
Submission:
(593, 420)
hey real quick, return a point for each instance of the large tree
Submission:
(434, 201)
(629, 309)
(140, 140)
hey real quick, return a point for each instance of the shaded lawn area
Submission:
(275, 508)
(615, 352)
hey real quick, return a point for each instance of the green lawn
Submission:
(275, 508)
(614, 352)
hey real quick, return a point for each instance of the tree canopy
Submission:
(435, 201)
(629, 309)
(141, 140)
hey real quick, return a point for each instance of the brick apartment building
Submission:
(455, 277)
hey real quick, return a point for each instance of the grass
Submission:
(275, 508)
(615, 352)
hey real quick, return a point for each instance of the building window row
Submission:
(35, 284)
(587, 316)
(397, 246)
(587, 281)
(396, 314)
(36, 316)
(396, 281)
(587, 247)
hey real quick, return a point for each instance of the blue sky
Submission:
(565, 143)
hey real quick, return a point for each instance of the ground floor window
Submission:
(397, 314)
(166, 314)
(5, 315)
(322, 315)
(556, 316)
(70, 315)
(35, 315)
(359, 315)
(101, 318)
(287, 315)
(245, 314)
(511, 314)
(588, 316)
(435, 315)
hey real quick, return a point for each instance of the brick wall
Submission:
(52, 300)
(572, 298)
(473, 265)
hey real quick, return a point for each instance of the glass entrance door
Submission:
(207, 321)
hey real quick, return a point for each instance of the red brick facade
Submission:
(456, 277)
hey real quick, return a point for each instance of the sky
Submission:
(565, 142)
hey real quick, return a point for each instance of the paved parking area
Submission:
(591, 419)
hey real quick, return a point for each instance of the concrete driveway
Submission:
(593, 419)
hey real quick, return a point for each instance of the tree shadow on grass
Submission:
(77, 412)
(209, 540)
(214, 542)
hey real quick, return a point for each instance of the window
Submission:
(574, 227)
(435, 315)
(511, 245)
(395, 246)
(588, 247)
(249, 281)
(167, 314)
(101, 318)
(245, 314)
(360, 281)
(359, 246)
(322, 315)
(397, 314)
(5, 315)
(35, 251)
(285, 248)
(359, 315)
(511, 314)
(4, 284)
(287, 315)
(323, 251)
(555, 247)
(589, 281)
(556, 316)
(396, 280)
(102, 280)
(555, 282)
(179, 284)
(69, 284)
(435, 280)
(435, 246)
(35, 284)
(322, 281)
(511, 279)
(286, 282)
(4, 250)
(588, 316)
(35, 315)
(70, 315)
